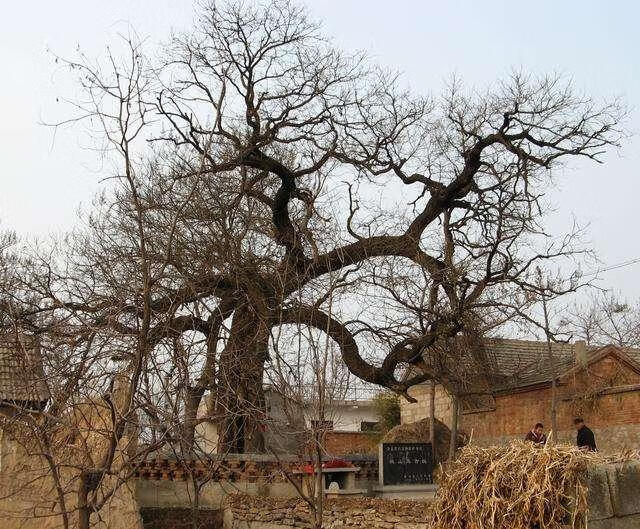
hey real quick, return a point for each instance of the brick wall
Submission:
(415, 411)
(615, 419)
(607, 395)
(344, 443)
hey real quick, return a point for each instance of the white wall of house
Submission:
(206, 437)
(348, 416)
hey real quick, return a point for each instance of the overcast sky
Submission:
(44, 179)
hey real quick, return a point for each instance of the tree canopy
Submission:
(265, 180)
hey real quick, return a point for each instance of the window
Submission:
(322, 425)
(368, 426)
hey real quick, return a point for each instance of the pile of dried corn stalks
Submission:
(513, 487)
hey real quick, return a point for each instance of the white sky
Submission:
(43, 181)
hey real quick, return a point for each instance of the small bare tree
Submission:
(607, 319)
(310, 380)
(89, 302)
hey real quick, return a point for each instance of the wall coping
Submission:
(257, 458)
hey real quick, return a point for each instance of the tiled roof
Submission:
(21, 374)
(521, 363)
(500, 364)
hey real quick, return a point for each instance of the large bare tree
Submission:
(276, 161)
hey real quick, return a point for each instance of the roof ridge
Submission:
(589, 346)
(533, 342)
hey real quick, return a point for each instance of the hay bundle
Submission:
(513, 487)
(623, 456)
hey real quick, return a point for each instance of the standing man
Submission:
(585, 439)
(537, 436)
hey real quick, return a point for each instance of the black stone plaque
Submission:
(407, 463)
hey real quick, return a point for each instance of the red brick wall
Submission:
(345, 443)
(615, 418)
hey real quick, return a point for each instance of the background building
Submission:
(348, 423)
(600, 384)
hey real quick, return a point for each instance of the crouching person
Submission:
(536, 435)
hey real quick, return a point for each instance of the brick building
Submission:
(601, 384)
(29, 494)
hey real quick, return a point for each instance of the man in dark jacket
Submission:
(585, 438)
(536, 436)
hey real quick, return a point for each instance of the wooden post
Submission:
(552, 363)
(432, 419)
(454, 425)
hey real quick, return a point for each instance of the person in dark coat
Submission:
(585, 439)
(537, 436)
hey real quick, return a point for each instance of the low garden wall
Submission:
(250, 468)
(614, 503)
(252, 512)
(164, 482)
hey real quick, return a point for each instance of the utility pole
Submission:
(550, 357)
(455, 405)
(432, 418)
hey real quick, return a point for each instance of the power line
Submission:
(613, 267)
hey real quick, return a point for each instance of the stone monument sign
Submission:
(406, 464)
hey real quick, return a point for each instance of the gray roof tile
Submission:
(502, 364)
(521, 363)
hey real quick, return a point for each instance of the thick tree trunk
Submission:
(84, 514)
(240, 405)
